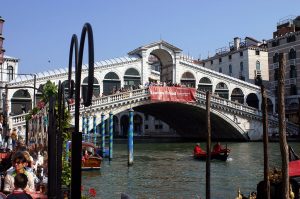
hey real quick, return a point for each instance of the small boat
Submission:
(222, 155)
(91, 160)
(294, 163)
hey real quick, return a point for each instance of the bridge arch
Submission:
(165, 59)
(132, 77)
(111, 82)
(188, 120)
(84, 87)
(222, 90)
(252, 100)
(205, 84)
(188, 79)
(237, 95)
(21, 102)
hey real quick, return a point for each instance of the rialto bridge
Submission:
(121, 83)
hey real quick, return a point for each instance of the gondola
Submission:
(294, 163)
(222, 155)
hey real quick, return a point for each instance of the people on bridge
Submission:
(198, 150)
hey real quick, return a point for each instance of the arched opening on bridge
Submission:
(162, 62)
(96, 88)
(222, 90)
(252, 100)
(21, 102)
(137, 124)
(205, 84)
(124, 125)
(116, 125)
(237, 95)
(65, 85)
(111, 83)
(188, 80)
(132, 78)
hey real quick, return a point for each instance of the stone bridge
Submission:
(229, 120)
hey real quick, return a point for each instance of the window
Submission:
(293, 89)
(146, 126)
(257, 52)
(241, 54)
(276, 72)
(241, 66)
(257, 65)
(10, 70)
(220, 60)
(211, 62)
(146, 117)
(275, 43)
(229, 57)
(230, 69)
(293, 72)
(276, 58)
(220, 70)
(276, 90)
(292, 54)
(290, 39)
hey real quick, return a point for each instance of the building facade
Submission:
(286, 39)
(244, 59)
(8, 72)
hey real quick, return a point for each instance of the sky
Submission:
(39, 32)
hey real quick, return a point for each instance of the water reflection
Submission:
(169, 171)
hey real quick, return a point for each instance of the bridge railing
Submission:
(230, 104)
(105, 100)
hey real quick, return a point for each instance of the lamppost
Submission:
(1, 41)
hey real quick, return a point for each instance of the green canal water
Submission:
(168, 171)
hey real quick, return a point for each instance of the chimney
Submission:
(237, 42)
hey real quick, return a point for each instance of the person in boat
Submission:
(219, 149)
(198, 150)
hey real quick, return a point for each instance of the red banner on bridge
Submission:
(174, 94)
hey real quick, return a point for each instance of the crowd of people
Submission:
(23, 169)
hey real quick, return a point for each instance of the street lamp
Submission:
(1, 41)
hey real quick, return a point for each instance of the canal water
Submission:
(168, 171)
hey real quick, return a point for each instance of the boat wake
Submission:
(229, 159)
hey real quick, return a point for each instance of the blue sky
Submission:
(37, 31)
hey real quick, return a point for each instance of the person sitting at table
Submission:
(19, 162)
(20, 183)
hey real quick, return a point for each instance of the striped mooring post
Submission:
(83, 125)
(95, 128)
(87, 127)
(103, 134)
(111, 125)
(130, 138)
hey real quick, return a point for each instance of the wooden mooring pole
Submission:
(208, 144)
(265, 140)
(282, 127)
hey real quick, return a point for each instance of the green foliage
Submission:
(49, 89)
